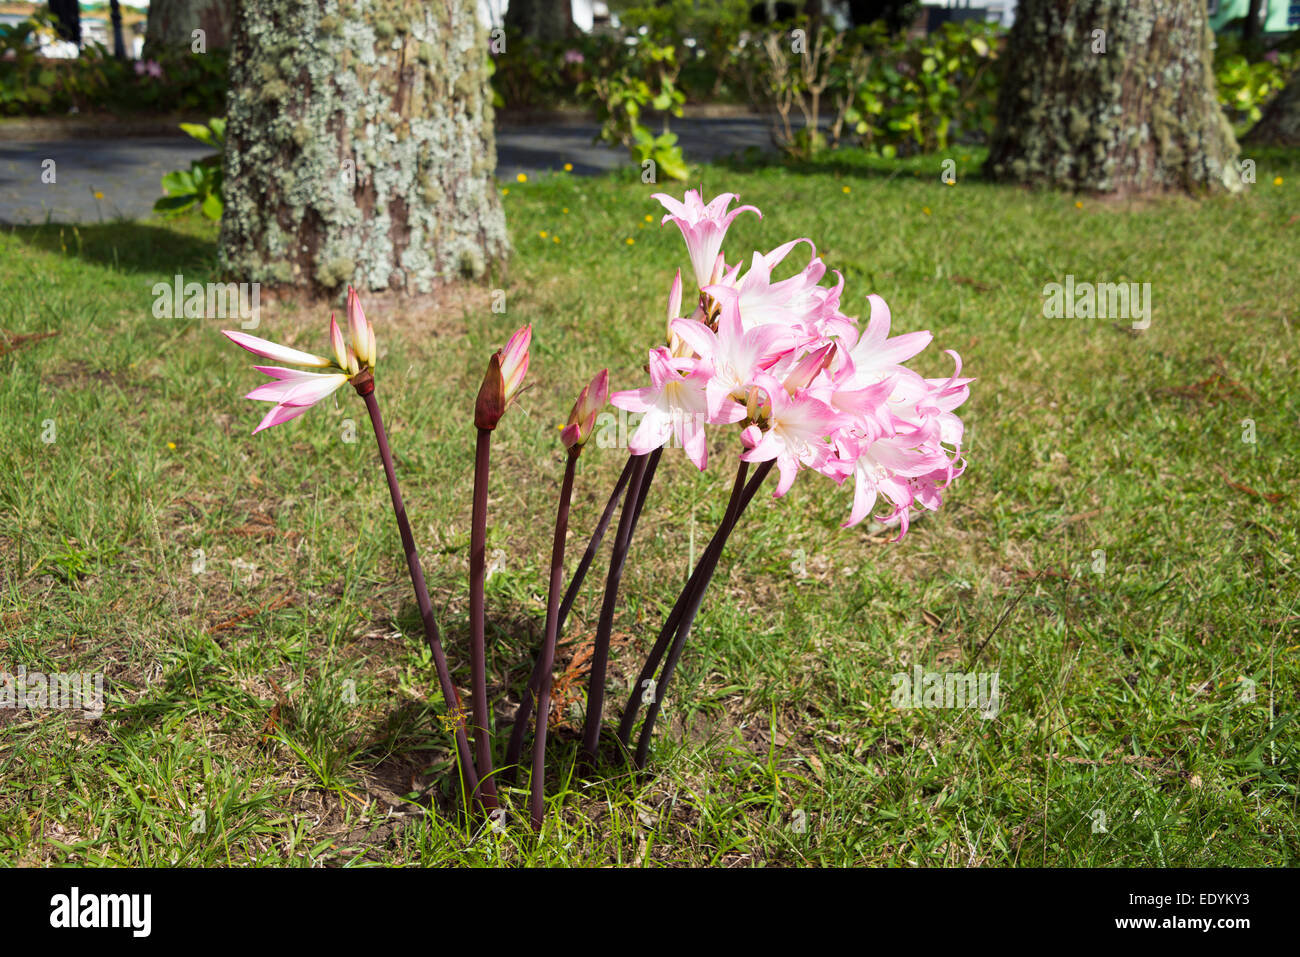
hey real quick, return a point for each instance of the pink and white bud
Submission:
(582, 420)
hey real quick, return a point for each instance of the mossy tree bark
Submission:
(359, 146)
(172, 23)
(1280, 124)
(1142, 116)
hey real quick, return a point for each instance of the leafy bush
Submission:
(1247, 83)
(896, 95)
(200, 185)
(709, 39)
(96, 81)
(624, 87)
(530, 74)
(923, 93)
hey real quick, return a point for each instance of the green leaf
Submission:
(200, 132)
(174, 205)
(178, 182)
(672, 164)
(212, 206)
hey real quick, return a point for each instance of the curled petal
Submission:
(272, 350)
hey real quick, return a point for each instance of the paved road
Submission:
(126, 172)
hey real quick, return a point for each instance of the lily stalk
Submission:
(525, 709)
(600, 654)
(293, 393)
(682, 617)
(574, 436)
(501, 386)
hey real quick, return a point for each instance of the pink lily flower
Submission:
(884, 467)
(764, 302)
(294, 390)
(514, 361)
(293, 393)
(672, 406)
(875, 354)
(363, 334)
(731, 358)
(798, 427)
(703, 227)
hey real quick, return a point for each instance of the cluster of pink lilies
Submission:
(805, 384)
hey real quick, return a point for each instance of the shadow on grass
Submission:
(127, 246)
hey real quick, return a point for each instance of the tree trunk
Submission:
(67, 16)
(1280, 124)
(172, 23)
(1250, 29)
(547, 20)
(359, 146)
(1141, 116)
(115, 15)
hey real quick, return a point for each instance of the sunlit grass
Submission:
(1117, 551)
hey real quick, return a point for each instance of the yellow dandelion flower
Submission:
(171, 445)
(847, 190)
(1277, 181)
(542, 234)
(506, 191)
(521, 178)
(565, 210)
(568, 167)
(555, 239)
(630, 241)
(926, 210)
(98, 195)
(649, 218)
(1078, 204)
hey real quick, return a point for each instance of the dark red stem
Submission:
(600, 653)
(478, 623)
(525, 711)
(740, 497)
(449, 694)
(547, 659)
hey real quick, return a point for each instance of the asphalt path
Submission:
(98, 180)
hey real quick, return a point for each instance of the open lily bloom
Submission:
(703, 227)
(296, 391)
(673, 406)
(808, 386)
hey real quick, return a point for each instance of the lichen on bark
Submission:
(359, 146)
(1141, 116)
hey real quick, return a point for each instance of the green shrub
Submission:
(96, 81)
(200, 185)
(624, 87)
(896, 95)
(1247, 83)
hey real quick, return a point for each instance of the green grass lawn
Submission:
(1117, 551)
